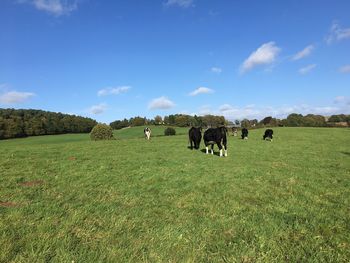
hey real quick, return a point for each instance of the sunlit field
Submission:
(65, 198)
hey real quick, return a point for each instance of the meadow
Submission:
(64, 198)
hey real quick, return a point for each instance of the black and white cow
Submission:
(216, 136)
(268, 135)
(147, 132)
(234, 131)
(244, 134)
(195, 137)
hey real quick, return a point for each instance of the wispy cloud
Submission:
(303, 53)
(307, 69)
(344, 69)
(113, 91)
(201, 90)
(180, 3)
(98, 109)
(342, 100)
(4, 86)
(15, 97)
(264, 55)
(54, 7)
(216, 70)
(231, 112)
(336, 33)
(161, 103)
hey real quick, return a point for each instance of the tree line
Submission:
(298, 120)
(22, 123)
(183, 120)
(180, 120)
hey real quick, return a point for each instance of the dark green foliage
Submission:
(294, 120)
(169, 131)
(339, 118)
(137, 121)
(101, 132)
(158, 120)
(116, 125)
(23, 123)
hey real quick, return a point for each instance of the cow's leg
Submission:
(191, 144)
(206, 149)
(220, 148)
(212, 149)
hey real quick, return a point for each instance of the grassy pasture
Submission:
(65, 198)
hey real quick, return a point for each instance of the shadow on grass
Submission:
(215, 153)
(346, 153)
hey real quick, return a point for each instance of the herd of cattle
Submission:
(213, 136)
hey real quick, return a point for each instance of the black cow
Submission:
(244, 134)
(216, 136)
(268, 135)
(195, 137)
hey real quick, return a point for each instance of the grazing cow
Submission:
(268, 135)
(195, 137)
(216, 136)
(147, 132)
(244, 134)
(234, 131)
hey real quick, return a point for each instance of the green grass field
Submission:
(65, 198)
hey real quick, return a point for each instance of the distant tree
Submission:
(137, 121)
(253, 122)
(119, 124)
(21, 123)
(158, 120)
(182, 120)
(312, 120)
(245, 123)
(294, 120)
(339, 118)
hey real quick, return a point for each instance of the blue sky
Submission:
(114, 59)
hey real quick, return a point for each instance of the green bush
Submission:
(169, 131)
(101, 132)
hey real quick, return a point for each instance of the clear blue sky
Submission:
(114, 59)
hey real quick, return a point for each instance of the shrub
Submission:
(101, 132)
(169, 131)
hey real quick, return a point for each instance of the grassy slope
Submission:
(137, 200)
(137, 132)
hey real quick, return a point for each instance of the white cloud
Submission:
(54, 7)
(307, 69)
(336, 33)
(305, 52)
(264, 55)
(113, 91)
(98, 109)
(345, 69)
(216, 70)
(180, 3)
(201, 90)
(342, 100)
(14, 97)
(162, 103)
(4, 86)
(225, 107)
(255, 112)
(259, 112)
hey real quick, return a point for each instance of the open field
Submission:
(65, 198)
